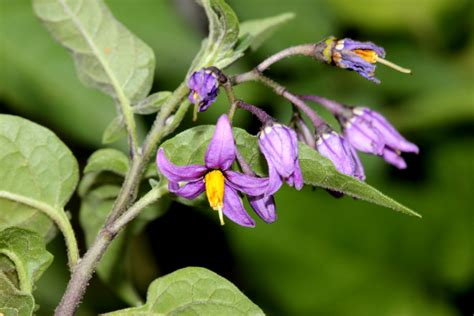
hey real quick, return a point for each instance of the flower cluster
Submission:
(361, 130)
(222, 184)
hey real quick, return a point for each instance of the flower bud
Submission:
(279, 145)
(337, 149)
(204, 86)
(370, 132)
(358, 56)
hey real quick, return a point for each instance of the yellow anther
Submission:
(215, 191)
(367, 55)
(195, 96)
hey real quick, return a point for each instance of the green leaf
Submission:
(217, 48)
(38, 172)
(114, 131)
(319, 171)
(107, 159)
(190, 146)
(107, 55)
(193, 291)
(152, 103)
(260, 30)
(23, 259)
(26, 251)
(61, 102)
(14, 302)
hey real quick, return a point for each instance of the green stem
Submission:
(231, 97)
(56, 215)
(149, 198)
(25, 284)
(83, 271)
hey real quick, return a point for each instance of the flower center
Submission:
(367, 55)
(215, 191)
(195, 96)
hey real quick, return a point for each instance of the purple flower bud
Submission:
(204, 87)
(358, 56)
(370, 132)
(337, 149)
(279, 145)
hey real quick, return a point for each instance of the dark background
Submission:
(323, 256)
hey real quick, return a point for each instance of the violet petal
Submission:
(221, 151)
(234, 209)
(176, 173)
(249, 185)
(191, 190)
(264, 207)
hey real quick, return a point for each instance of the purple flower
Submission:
(279, 145)
(370, 132)
(204, 88)
(358, 56)
(221, 184)
(336, 148)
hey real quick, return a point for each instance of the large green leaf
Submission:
(26, 251)
(60, 100)
(107, 55)
(14, 302)
(189, 147)
(193, 291)
(36, 168)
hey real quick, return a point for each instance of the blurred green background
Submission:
(323, 256)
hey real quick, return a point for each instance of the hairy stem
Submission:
(84, 269)
(311, 50)
(304, 50)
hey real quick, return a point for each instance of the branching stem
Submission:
(122, 211)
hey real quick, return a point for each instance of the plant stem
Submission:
(304, 50)
(84, 269)
(334, 107)
(311, 50)
(150, 197)
(57, 216)
(255, 75)
(259, 113)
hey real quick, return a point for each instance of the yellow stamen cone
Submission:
(214, 181)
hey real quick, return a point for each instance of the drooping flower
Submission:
(337, 149)
(370, 132)
(221, 184)
(279, 145)
(264, 206)
(358, 56)
(204, 86)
